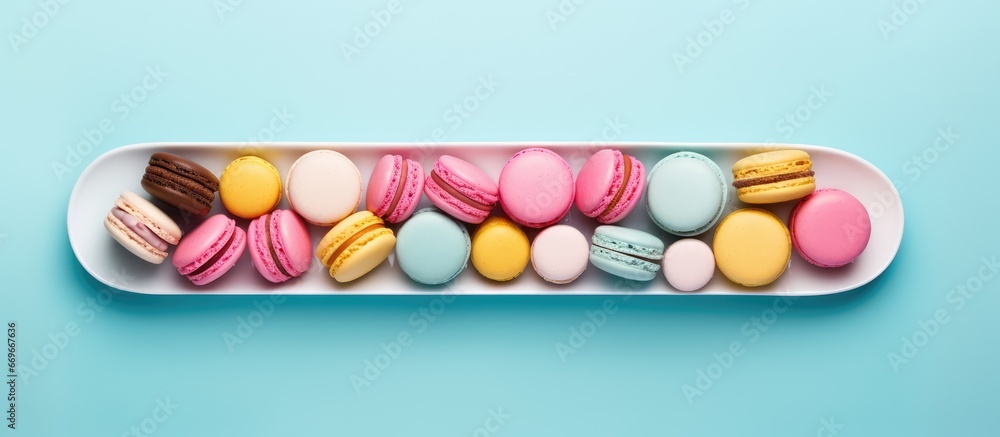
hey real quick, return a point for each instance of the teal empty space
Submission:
(909, 85)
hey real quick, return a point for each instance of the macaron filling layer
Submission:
(400, 187)
(632, 260)
(140, 229)
(458, 194)
(627, 162)
(764, 180)
(271, 228)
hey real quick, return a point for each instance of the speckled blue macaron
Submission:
(432, 248)
(625, 252)
(686, 194)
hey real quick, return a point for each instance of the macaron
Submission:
(250, 187)
(500, 250)
(536, 187)
(774, 177)
(394, 188)
(210, 250)
(280, 248)
(355, 246)
(830, 228)
(688, 264)
(686, 194)
(609, 185)
(141, 227)
(432, 248)
(461, 189)
(752, 247)
(323, 186)
(560, 253)
(180, 183)
(626, 252)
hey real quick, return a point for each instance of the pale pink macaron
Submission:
(461, 189)
(394, 188)
(609, 185)
(210, 250)
(280, 248)
(323, 187)
(536, 187)
(830, 228)
(689, 264)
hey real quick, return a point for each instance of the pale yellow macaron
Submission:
(774, 177)
(250, 187)
(355, 246)
(752, 247)
(500, 250)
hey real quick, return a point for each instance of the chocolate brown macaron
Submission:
(180, 183)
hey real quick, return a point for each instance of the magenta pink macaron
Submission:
(394, 188)
(280, 248)
(461, 189)
(536, 187)
(210, 250)
(609, 185)
(830, 228)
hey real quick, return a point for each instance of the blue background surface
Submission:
(821, 366)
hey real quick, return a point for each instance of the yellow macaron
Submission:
(500, 250)
(250, 187)
(774, 177)
(752, 247)
(355, 246)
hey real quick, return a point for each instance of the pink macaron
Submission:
(830, 228)
(210, 250)
(536, 187)
(394, 188)
(280, 248)
(461, 189)
(609, 185)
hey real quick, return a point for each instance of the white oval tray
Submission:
(122, 168)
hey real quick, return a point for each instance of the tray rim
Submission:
(337, 145)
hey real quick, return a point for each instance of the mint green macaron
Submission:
(625, 252)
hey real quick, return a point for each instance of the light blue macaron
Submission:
(432, 248)
(686, 194)
(626, 252)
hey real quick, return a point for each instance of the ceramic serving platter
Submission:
(122, 168)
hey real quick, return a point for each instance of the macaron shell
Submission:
(830, 228)
(467, 179)
(596, 184)
(412, 190)
(250, 187)
(432, 248)
(260, 252)
(536, 187)
(630, 198)
(777, 192)
(291, 240)
(225, 262)
(752, 247)
(382, 184)
(363, 255)
(133, 242)
(559, 254)
(323, 186)
(201, 243)
(686, 193)
(500, 250)
(451, 205)
(688, 264)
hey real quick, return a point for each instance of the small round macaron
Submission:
(210, 250)
(461, 189)
(560, 253)
(180, 183)
(500, 250)
(394, 188)
(355, 246)
(609, 185)
(250, 187)
(752, 247)
(688, 264)
(830, 228)
(536, 187)
(626, 252)
(141, 227)
(279, 243)
(774, 177)
(323, 186)
(432, 248)
(686, 194)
